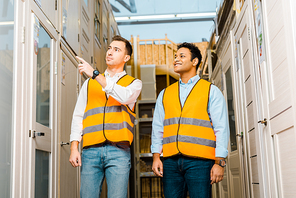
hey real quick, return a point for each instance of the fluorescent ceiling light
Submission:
(205, 14)
(121, 18)
(7, 23)
(167, 16)
(153, 16)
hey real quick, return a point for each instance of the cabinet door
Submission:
(70, 22)
(105, 27)
(50, 9)
(279, 76)
(69, 179)
(249, 106)
(85, 30)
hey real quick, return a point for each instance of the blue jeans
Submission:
(106, 161)
(182, 173)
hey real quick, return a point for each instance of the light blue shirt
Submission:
(217, 111)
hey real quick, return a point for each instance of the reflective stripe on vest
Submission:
(109, 110)
(191, 121)
(189, 139)
(113, 126)
(105, 118)
(188, 129)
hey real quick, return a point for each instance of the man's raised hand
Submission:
(83, 66)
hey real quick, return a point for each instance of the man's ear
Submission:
(126, 58)
(195, 61)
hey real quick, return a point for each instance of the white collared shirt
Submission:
(125, 95)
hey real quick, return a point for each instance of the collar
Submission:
(117, 75)
(194, 79)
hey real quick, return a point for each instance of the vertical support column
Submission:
(166, 60)
(135, 46)
(146, 52)
(138, 55)
(132, 57)
(210, 70)
(159, 60)
(137, 154)
(152, 51)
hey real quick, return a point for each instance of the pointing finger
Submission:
(80, 59)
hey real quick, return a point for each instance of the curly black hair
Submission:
(195, 52)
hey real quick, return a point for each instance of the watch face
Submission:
(96, 72)
(222, 163)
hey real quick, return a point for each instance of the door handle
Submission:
(263, 121)
(64, 143)
(240, 135)
(35, 134)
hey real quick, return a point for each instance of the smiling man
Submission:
(190, 127)
(104, 118)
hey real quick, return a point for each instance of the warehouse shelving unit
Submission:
(148, 185)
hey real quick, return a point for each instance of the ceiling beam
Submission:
(115, 9)
(132, 7)
(164, 21)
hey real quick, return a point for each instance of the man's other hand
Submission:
(157, 166)
(217, 173)
(75, 158)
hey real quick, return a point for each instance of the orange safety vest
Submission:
(106, 118)
(188, 130)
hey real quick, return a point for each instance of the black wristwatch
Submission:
(222, 163)
(95, 74)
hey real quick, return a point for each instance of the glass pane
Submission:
(98, 9)
(105, 27)
(112, 31)
(6, 87)
(41, 174)
(97, 20)
(65, 17)
(43, 79)
(231, 116)
(97, 26)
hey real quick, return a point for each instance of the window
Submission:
(112, 32)
(231, 112)
(97, 19)
(6, 90)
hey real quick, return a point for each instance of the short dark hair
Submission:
(195, 52)
(128, 46)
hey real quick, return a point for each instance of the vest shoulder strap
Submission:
(125, 80)
(170, 89)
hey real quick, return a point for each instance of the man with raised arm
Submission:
(104, 118)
